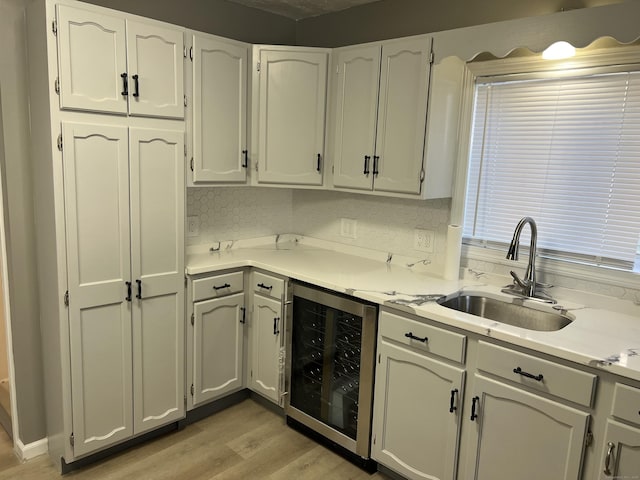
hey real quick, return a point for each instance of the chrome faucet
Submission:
(527, 287)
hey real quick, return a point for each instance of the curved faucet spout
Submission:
(529, 283)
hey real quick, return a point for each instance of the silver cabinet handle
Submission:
(607, 460)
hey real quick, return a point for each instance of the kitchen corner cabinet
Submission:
(418, 398)
(219, 123)
(289, 103)
(124, 200)
(215, 337)
(380, 111)
(266, 334)
(114, 64)
(620, 451)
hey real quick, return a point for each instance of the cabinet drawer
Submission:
(218, 286)
(564, 382)
(267, 285)
(626, 403)
(412, 333)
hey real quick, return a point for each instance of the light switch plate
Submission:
(348, 227)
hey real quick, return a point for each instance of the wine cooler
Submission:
(331, 355)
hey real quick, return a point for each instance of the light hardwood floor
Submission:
(246, 441)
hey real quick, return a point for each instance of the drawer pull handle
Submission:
(128, 297)
(266, 287)
(243, 320)
(413, 337)
(474, 402)
(519, 371)
(452, 407)
(226, 285)
(607, 460)
(139, 294)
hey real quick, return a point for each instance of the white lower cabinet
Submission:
(517, 434)
(620, 448)
(215, 337)
(417, 398)
(621, 455)
(416, 415)
(266, 336)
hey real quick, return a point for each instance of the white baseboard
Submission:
(31, 450)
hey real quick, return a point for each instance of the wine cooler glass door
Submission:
(325, 364)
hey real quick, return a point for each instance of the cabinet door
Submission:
(415, 430)
(96, 177)
(291, 117)
(621, 455)
(155, 63)
(355, 116)
(402, 115)
(157, 254)
(217, 347)
(219, 110)
(521, 435)
(92, 58)
(266, 342)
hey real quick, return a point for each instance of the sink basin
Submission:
(509, 313)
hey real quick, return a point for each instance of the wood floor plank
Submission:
(246, 442)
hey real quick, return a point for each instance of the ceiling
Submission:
(299, 9)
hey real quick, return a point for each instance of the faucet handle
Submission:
(516, 280)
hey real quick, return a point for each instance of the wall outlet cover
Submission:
(423, 240)
(193, 226)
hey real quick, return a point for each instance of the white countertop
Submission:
(603, 339)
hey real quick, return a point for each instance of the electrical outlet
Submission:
(423, 240)
(193, 226)
(348, 227)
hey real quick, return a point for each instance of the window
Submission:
(564, 149)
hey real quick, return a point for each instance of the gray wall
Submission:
(398, 18)
(19, 223)
(213, 16)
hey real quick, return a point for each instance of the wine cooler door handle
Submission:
(276, 325)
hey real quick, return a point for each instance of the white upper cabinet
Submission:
(290, 104)
(219, 126)
(92, 58)
(155, 64)
(381, 98)
(358, 71)
(113, 64)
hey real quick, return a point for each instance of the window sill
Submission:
(546, 266)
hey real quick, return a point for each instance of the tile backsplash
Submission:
(383, 223)
(234, 213)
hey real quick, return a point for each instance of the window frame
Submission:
(527, 66)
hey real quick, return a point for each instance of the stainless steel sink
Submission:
(509, 313)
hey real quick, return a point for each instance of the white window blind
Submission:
(565, 151)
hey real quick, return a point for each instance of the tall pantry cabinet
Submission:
(108, 153)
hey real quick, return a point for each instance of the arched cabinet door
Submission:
(217, 350)
(291, 117)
